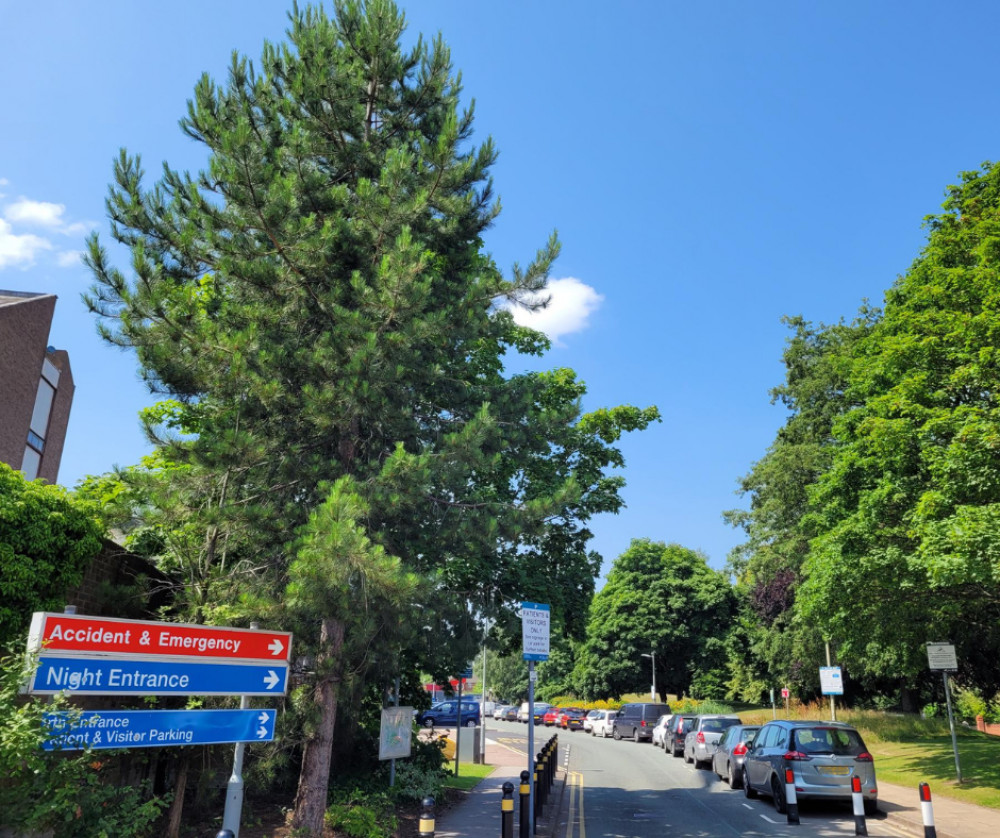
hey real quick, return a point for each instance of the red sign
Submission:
(111, 636)
(784, 692)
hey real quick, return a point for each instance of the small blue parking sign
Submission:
(535, 631)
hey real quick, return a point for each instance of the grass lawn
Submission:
(469, 774)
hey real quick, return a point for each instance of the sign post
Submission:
(941, 657)
(535, 647)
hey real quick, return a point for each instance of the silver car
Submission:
(703, 738)
(727, 761)
(603, 724)
(824, 758)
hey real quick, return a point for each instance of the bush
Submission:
(70, 793)
(359, 814)
(969, 704)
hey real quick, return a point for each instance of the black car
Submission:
(636, 721)
(680, 726)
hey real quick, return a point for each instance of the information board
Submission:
(941, 657)
(156, 728)
(395, 735)
(831, 682)
(535, 631)
(95, 675)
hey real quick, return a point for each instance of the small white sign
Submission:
(831, 682)
(535, 631)
(941, 656)
(395, 733)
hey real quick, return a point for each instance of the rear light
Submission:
(796, 756)
(864, 756)
(642, 723)
(740, 750)
(700, 737)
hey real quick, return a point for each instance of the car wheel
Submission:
(470, 723)
(778, 794)
(871, 808)
(688, 761)
(616, 735)
(734, 777)
(748, 791)
(429, 724)
(635, 736)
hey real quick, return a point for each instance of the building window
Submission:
(31, 464)
(43, 407)
(36, 442)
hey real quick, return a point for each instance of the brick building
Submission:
(36, 386)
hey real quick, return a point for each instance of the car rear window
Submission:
(718, 725)
(828, 740)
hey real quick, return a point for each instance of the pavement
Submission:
(478, 816)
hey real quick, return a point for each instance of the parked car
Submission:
(572, 718)
(523, 712)
(660, 729)
(824, 757)
(551, 716)
(603, 724)
(541, 708)
(636, 721)
(673, 739)
(703, 738)
(446, 714)
(589, 719)
(511, 714)
(727, 761)
(499, 710)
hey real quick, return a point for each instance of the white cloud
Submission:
(19, 250)
(69, 259)
(37, 213)
(571, 302)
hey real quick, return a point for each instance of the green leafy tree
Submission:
(316, 303)
(47, 540)
(907, 543)
(663, 599)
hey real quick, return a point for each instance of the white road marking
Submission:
(747, 806)
(765, 817)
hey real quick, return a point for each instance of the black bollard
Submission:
(525, 819)
(538, 792)
(507, 811)
(427, 818)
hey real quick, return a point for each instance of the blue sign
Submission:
(131, 676)
(535, 631)
(156, 728)
(831, 681)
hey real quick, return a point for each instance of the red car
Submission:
(572, 718)
(551, 716)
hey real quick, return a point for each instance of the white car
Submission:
(588, 719)
(659, 732)
(603, 724)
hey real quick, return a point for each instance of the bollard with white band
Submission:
(791, 800)
(927, 811)
(860, 827)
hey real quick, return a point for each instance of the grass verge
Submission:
(469, 775)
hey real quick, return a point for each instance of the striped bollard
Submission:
(525, 818)
(860, 827)
(791, 801)
(507, 811)
(427, 818)
(538, 794)
(927, 811)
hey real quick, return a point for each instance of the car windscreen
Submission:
(832, 741)
(718, 725)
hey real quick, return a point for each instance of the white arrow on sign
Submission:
(261, 732)
(262, 718)
(276, 646)
(272, 679)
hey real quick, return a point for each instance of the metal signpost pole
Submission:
(951, 724)
(833, 705)
(482, 712)
(531, 740)
(458, 724)
(392, 762)
(234, 790)
(941, 657)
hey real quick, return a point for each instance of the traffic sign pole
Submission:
(941, 656)
(232, 814)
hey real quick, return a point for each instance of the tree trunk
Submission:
(314, 778)
(177, 805)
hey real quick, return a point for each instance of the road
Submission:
(629, 790)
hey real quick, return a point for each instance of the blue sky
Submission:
(710, 167)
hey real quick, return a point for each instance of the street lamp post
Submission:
(652, 656)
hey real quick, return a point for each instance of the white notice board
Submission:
(535, 631)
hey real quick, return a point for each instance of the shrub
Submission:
(360, 814)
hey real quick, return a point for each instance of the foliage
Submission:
(664, 599)
(361, 814)
(47, 539)
(906, 542)
(71, 793)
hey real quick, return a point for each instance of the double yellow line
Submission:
(575, 816)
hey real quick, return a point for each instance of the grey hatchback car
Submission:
(824, 758)
(727, 761)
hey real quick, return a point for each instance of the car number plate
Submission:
(837, 770)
